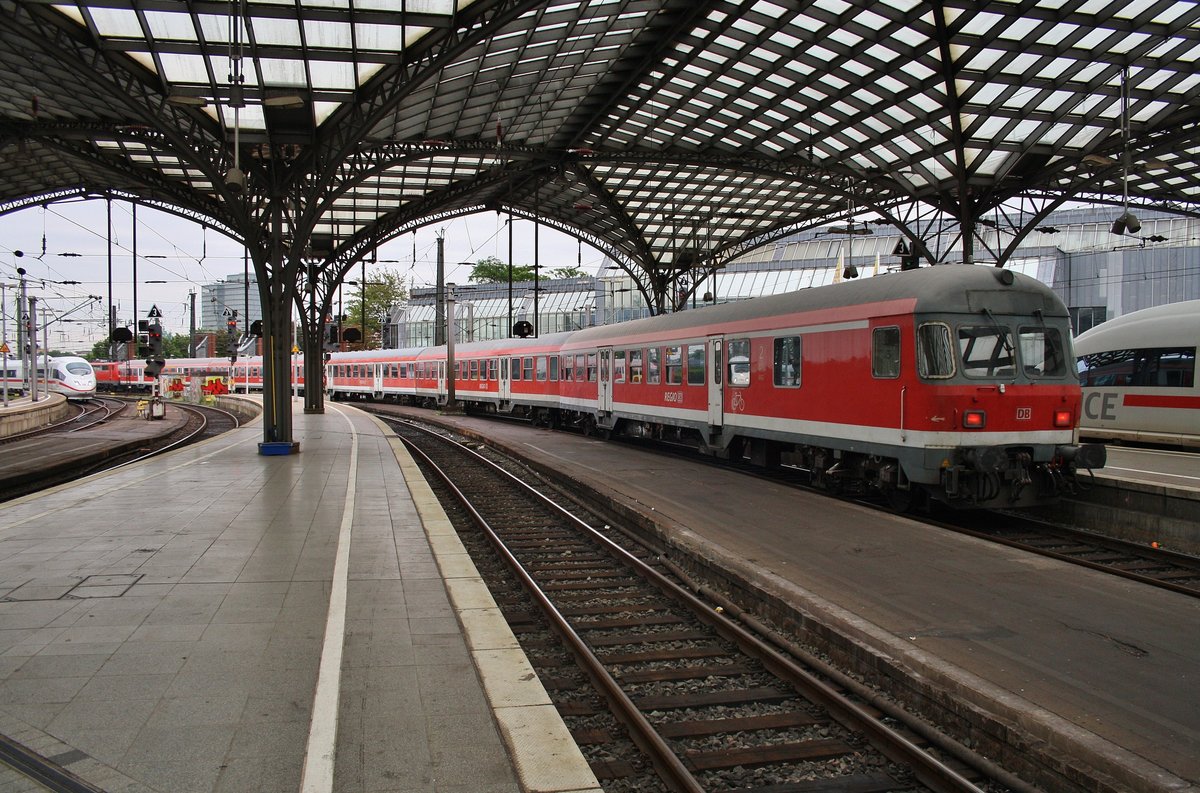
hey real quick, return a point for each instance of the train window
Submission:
(935, 353)
(618, 366)
(516, 369)
(553, 368)
(986, 351)
(1166, 367)
(674, 357)
(590, 366)
(579, 371)
(1041, 352)
(474, 370)
(491, 364)
(503, 368)
(566, 367)
(885, 352)
(652, 354)
(739, 362)
(542, 368)
(695, 364)
(787, 361)
(527, 368)
(635, 366)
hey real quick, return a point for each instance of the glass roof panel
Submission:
(281, 32)
(184, 69)
(170, 26)
(115, 23)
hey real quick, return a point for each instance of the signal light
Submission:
(256, 328)
(974, 420)
(1063, 418)
(155, 340)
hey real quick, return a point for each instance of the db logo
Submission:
(1024, 414)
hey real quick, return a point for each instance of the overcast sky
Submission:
(183, 256)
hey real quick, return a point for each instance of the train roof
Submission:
(1170, 325)
(948, 288)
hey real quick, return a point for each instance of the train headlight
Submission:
(1063, 418)
(974, 420)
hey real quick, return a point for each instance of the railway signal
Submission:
(231, 324)
(154, 339)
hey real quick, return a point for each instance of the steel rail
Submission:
(926, 768)
(643, 733)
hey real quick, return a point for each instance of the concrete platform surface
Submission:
(217, 621)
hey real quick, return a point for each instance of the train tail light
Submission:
(1063, 418)
(974, 420)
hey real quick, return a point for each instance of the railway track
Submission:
(51, 460)
(707, 704)
(1148, 565)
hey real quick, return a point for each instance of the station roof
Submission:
(669, 133)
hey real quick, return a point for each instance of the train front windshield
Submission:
(990, 351)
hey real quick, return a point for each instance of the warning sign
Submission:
(4, 348)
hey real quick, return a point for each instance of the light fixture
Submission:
(187, 100)
(283, 100)
(1126, 222)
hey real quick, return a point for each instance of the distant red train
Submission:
(953, 383)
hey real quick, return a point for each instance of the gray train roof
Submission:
(947, 288)
(1170, 325)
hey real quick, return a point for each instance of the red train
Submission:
(953, 383)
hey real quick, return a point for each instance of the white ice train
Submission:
(69, 375)
(1138, 374)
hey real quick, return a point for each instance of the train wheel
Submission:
(899, 500)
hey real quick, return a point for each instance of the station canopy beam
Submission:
(672, 134)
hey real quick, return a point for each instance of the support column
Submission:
(278, 295)
(314, 346)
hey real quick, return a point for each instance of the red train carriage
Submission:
(951, 382)
(954, 383)
(245, 374)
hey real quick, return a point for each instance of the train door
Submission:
(605, 403)
(377, 385)
(441, 379)
(505, 385)
(716, 380)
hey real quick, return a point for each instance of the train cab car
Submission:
(1138, 375)
(69, 375)
(73, 377)
(951, 383)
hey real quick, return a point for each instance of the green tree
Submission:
(99, 351)
(567, 272)
(384, 291)
(493, 271)
(175, 345)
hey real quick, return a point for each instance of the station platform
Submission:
(29, 460)
(215, 620)
(1143, 495)
(1095, 670)
(22, 414)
